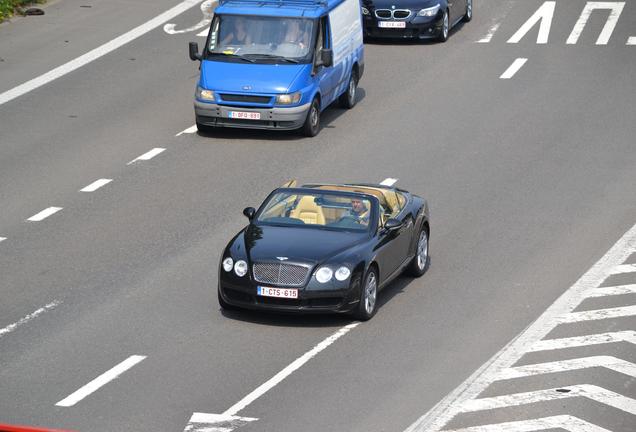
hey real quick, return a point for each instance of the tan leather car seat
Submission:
(308, 211)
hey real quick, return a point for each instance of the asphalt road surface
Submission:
(529, 167)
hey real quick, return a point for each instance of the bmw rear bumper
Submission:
(210, 114)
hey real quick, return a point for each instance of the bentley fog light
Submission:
(228, 263)
(288, 99)
(240, 268)
(324, 274)
(204, 94)
(429, 12)
(343, 273)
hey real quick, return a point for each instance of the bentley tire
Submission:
(421, 261)
(368, 296)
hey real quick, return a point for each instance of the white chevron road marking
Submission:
(566, 422)
(202, 422)
(608, 362)
(595, 339)
(611, 291)
(592, 392)
(623, 268)
(597, 314)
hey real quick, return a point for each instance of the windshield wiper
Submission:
(233, 55)
(273, 56)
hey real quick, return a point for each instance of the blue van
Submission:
(271, 64)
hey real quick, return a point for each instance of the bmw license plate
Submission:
(244, 115)
(391, 24)
(277, 292)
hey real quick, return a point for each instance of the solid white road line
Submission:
(566, 422)
(451, 405)
(623, 268)
(543, 14)
(597, 314)
(190, 130)
(100, 381)
(490, 34)
(388, 181)
(96, 185)
(592, 392)
(609, 362)
(579, 341)
(97, 52)
(29, 317)
(513, 68)
(44, 214)
(219, 422)
(615, 11)
(612, 291)
(148, 155)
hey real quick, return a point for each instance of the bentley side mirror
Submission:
(249, 212)
(194, 51)
(326, 58)
(393, 224)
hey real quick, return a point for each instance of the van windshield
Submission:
(259, 39)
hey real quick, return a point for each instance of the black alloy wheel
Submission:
(443, 33)
(312, 122)
(469, 11)
(368, 296)
(348, 99)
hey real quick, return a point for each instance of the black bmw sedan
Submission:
(421, 19)
(324, 248)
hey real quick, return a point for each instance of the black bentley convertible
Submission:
(325, 248)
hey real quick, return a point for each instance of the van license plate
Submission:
(277, 292)
(392, 24)
(245, 115)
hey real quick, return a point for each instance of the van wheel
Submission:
(312, 122)
(348, 99)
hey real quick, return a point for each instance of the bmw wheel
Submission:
(421, 260)
(368, 296)
(469, 11)
(348, 99)
(443, 33)
(312, 123)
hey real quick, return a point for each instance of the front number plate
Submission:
(245, 115)
(277, 292)
(392, 24)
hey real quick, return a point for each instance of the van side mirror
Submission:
(194, 51)
(393, 224)
(326, 58)
(249, 212)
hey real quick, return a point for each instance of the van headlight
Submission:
(324, 274)
(203, 94)
(288, 99)
(240, 268)
(429, 12)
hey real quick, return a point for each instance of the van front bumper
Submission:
(210, 114)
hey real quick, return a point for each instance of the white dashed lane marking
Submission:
(96, 185)
(2, 239)
(192, 129)
(148, 155)
(388, 181)
(100, 381)
(513, 68)
(44, 214)
(631, 40)
(490, 34)
(29, 317)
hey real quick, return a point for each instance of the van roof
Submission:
(282, 8)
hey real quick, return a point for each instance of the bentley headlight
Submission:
(288, 99)
(429, 12)
(324, 274)
(203, 94)
(240, 268)
(228, 263)
(365, 11)
(343, 273)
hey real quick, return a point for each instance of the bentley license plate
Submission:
(277, 292)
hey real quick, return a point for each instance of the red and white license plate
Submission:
(277, 292)
(391, 24)
(245, 115)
